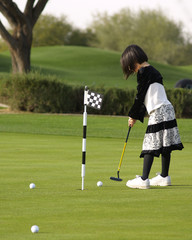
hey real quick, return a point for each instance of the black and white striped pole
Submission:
(84, 137)
(93, 100)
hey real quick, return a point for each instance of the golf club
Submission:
(118, 178)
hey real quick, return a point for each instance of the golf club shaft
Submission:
(122, 156)
(124, 149)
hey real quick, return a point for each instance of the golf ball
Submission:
(32, 185)
(34, 229)
(99, 184)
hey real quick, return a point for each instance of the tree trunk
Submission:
(21, 59)
(21, 50)
(22, 24)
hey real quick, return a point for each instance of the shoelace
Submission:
(137, 176)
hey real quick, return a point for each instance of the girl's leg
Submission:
(142, 182)
(163, 179)
(147, 163)
(165, 164)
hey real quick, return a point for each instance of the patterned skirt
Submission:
(162, 135)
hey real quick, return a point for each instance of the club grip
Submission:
(128, 133)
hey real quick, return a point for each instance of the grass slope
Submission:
(46, 149)
(90, 66)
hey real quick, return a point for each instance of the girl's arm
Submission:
(131, 122)
(137, 111)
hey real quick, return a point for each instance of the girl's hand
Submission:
(131, 122)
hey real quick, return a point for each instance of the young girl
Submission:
(162, 135)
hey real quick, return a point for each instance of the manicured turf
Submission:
(46, 150)
(90, 66)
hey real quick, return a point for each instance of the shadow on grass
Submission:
(170, 187)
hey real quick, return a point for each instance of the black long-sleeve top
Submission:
(145, 77)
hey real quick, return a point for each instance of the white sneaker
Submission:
(160, 181)
(138, 182)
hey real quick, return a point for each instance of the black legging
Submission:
(148, 161)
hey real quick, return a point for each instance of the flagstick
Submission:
(84, 138)
(94, 100)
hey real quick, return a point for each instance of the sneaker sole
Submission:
(138, 187)
(161, 185)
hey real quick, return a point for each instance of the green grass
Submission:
(90, 66)
(46, 150)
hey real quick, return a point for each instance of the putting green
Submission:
(45, 150)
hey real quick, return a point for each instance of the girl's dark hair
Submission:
(132, 54)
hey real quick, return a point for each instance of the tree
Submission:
(160, 37)
(79, 37)
(50, 31)
(19, 39)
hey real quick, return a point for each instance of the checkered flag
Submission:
(94, 100)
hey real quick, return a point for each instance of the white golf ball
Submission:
(99, 184)
(32, 185)
(34, 229)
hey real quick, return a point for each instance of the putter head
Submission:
(116, 179)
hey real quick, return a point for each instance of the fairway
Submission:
(47, 150)
(80, 66)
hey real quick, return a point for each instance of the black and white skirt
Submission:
(162, 135)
